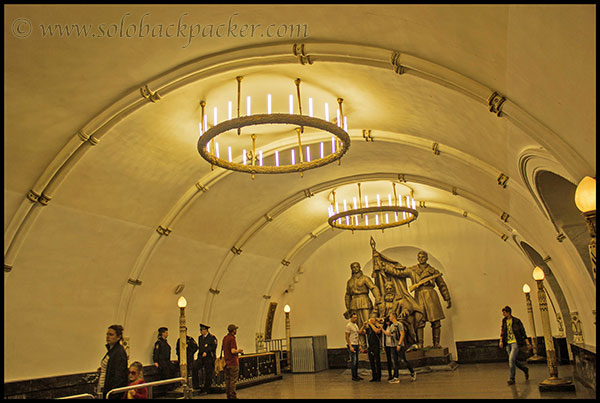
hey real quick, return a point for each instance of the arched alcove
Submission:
(558, 195)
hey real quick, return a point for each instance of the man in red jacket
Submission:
(232, 365)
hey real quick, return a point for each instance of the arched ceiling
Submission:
(120, 169)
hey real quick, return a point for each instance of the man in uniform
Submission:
(357, 298)
(161, 357)
(207, 349)
(424, 279)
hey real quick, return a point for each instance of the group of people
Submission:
(393, 335)
(115, 373)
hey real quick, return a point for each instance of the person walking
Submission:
(232, 364)
(207, 353)
(373, 331)
(513, 338)
(353, 345)
(113, 367)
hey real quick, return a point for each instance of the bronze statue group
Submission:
(397, 319)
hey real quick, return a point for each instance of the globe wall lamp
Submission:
(535, 357)
(585, 200)
(288, 332)
(553, 383)
(184, 388)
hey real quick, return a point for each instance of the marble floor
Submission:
(468, 381)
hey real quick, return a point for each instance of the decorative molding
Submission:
(163, 230)
(495, 102)
(561, 237)
(454, 191)
(303, 58)
(547, 259)
(134, 282)
(313, 236)
(402, 178)
(576, 326)
(7, 267)
(396, 66)
(502, 179)
(201, 187)
(366, 133)
(422, 204)
(504, 237)
(504, 216)
(268, 218)
(236, 251)
(82, 135)
(44, 200)
(308, 193)
(436, 148)
(93, 140)
(149, 95)
(267, 297)
(214, 291)
(465, 214)
(32, 196)
(285, 262)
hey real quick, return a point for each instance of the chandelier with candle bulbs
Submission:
(380, 206)
(245, 152)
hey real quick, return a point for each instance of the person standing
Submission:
(353, 345)
(232, 364)
(373, 331)
(192, 347)
(207, 353)
(162, 357)
(113, 367)
(398, 350)
(513, 337)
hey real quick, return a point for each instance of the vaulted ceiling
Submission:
(109, 206)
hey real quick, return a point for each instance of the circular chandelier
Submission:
(352, 210)
(251, 158)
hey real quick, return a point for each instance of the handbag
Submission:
(219, 363)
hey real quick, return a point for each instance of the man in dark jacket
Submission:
(116, 367)
(192, 347)
(513, 337)
(207, 349)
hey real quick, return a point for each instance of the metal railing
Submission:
(82, 396)
(275, 345)
(148, 385)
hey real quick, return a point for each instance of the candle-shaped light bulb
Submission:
(322, 150)
(293, 158)
(229, 110)
(378, 201)
(291, 104)
(205, 126)
(376, 219)
(269, 104)
(345, 123)
(366, 219)
(389, 199)
(215, 116)
(217, 149)
(355, 206)
(244, 156)
(276, 158)
(248, 106)
(326, 111)
(332, 145)
(310, 107)
(404, 215)
(347, 220)
(387, 218)
(337, 209)
(356, 220)
(339, 119)
(414, 204)
(260, 158)
(208, 147)
(200, 129)
(366, 201)
(345, 206)
(229, 153)
(407, 202)
(396, 216)
(307, 154)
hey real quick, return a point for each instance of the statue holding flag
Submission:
(426, 303)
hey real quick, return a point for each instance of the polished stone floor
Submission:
(468, 381)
